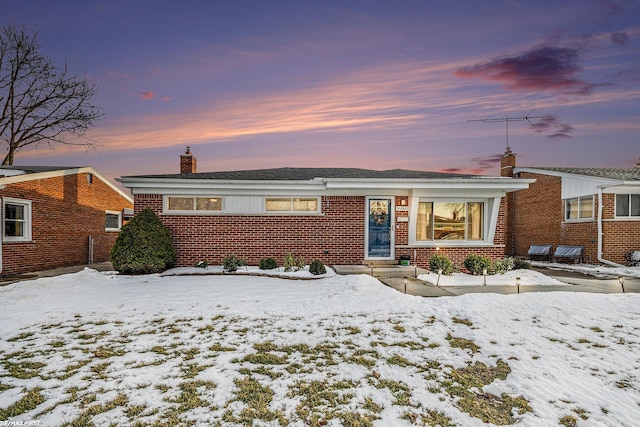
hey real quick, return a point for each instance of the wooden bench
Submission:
(540, 251)
(573, 252)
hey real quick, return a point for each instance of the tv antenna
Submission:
(508, 119)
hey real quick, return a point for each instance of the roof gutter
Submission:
(600, 234)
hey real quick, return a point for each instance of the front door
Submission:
(379, 235)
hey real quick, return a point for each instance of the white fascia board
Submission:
(605, 181)
(64, 172)
(479, 184)
(201, 186)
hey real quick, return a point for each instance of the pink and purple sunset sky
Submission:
(367, 84)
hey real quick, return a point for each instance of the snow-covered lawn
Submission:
(101, 349)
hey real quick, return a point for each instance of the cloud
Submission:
(545, 68)
(621, 39)
(554, 127)
(147, 95)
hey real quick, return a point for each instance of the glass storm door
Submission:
(379, 230)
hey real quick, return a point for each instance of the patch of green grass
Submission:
(99, 371)
(189, 397)
(265, 359)
(23, 370)
(256, 398)
(596, 329)
(190, 370)
(21, 336)
(568, 421)
(399, 390)
(217, 347)
(460, 321)
(399, 328)
(107, 352)
(463, 343)
(399, 361)
(464, 384)
(31, 399)
(4, 387)
(428, 417)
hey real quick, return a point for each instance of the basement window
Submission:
(16, 220)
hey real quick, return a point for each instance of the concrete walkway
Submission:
(394, 276)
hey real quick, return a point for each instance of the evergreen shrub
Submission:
(143, 246)
(438, 262)
(267, 264)
(317, 267)
(475, 264)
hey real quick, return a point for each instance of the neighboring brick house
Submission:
(338, 215)
(598, 208)
(57, 217)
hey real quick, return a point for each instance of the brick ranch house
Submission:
(57, 216)
(338, 215)
(597, 208)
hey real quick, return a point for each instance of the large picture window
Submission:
(188, 204)
(627, 205)
(17, 220)
(291, 204)
(578, 208)
(450, 221)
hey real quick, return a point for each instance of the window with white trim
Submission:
(291, 204)
(455, 220)
(578, 208)
(193, 204)
(627, 205)
(16, 220)
(113, 221)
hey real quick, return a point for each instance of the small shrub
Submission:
(143, 246)
(317, 267)
(267, 264)
(501, 266)
(521, 264)
(202, 264)
(300, 263)
(289, 262)
(438, 262)
(475, 264)
(232, 262)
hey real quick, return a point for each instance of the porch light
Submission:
(484, 276)
(621, 280)
(518, 283)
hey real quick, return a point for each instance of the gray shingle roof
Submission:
(36, 169)
(628, 174)
(305, 174)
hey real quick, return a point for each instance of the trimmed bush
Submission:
(501, 266)
(143, 246)
(521, 264)
(231, 263)
(267, 264)
(317, 267)
(438, 262)
(476, 263)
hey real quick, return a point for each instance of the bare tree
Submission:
(39, 103)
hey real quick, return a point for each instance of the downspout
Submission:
(602, 260)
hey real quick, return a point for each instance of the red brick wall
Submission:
(340, 232)
(65, 211)
(538, 218)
